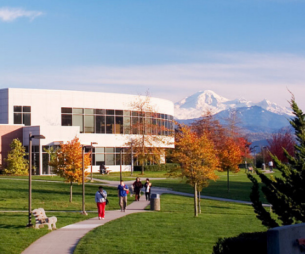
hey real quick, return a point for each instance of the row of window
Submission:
(108, 156)
(117, 121)
(22, 115)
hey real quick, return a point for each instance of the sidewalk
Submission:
(64, 240)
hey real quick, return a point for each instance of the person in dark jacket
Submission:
(147, 187)
(137, 188)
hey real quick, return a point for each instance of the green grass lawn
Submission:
(15, 237)
(173, 229)
(240, 186)
(41, 177)
(50, 196)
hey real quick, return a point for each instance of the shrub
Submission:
(250, 243)
(154, 168)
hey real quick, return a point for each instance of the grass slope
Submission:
(173, 230)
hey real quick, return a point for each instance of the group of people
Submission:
(101, 195)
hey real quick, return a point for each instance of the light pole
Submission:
(30, 175)
(83, 178)
(92, 143)
(121, 164)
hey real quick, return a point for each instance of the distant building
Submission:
(104, 118)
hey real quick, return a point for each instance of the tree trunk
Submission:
(195, 201)
(70, 192)
(143, 160)
(199, 205)
(228, 180)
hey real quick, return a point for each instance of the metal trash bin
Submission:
(155, 202)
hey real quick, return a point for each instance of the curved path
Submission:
(64, 240)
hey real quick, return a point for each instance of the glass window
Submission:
(88, 111)
(109, 149)
(135, 125)
(118, 159)
(78, 111)
(66, 110)
(119, 112)
(100, 125)
(109, 159)
(89, 124)
(17, 118)
(26, 109)
(66, 120)
(110, 112)
(109, 124)
(148, 114)
(77, 120)
(126, 113)
(126, 125)
(100, 111)
(17, 109)
(134, 113)
(118, 149)
(99, 158)
(45, 164)
(27, 119)
(119, 124)
(100, 149)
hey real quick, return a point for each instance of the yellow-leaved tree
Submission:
(67, 162)
(197, 159)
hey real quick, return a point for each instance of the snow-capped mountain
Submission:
(195, 105)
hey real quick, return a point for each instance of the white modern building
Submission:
(60, 116)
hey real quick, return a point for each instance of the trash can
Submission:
(155, 202)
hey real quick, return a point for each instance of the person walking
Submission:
(137, 188)
(271, 165)
(100, 199)
(122, 188)
(147, 187)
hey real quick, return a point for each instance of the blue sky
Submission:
(239, 48)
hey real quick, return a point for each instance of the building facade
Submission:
(106, 119)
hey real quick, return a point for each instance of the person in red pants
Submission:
(100, 199)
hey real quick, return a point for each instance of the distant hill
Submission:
(256, 120)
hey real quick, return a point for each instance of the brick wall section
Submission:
(7, 134)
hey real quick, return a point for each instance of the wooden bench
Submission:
(42, 219)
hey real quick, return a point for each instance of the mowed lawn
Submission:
(240, 186)
(53, 197)
(172, 230)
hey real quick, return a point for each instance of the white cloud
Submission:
(232, 75)
(10, 14)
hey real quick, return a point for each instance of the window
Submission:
(108, 121)
(22, 115)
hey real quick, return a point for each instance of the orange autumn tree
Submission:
(67, 162)
(230, 157)
(197, 160)
(229, 147)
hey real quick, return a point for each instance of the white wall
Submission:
(46, 104)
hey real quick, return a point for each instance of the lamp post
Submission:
(121, 164)
(92, 143)
(83, 177)
(131, 154)
(31, 137)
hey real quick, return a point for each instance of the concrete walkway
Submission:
(64, 240)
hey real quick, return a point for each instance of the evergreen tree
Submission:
(15, 161)
(285, 193)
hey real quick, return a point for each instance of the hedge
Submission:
(250, 243)
(154, 168)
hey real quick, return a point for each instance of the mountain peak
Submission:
(195, 105)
